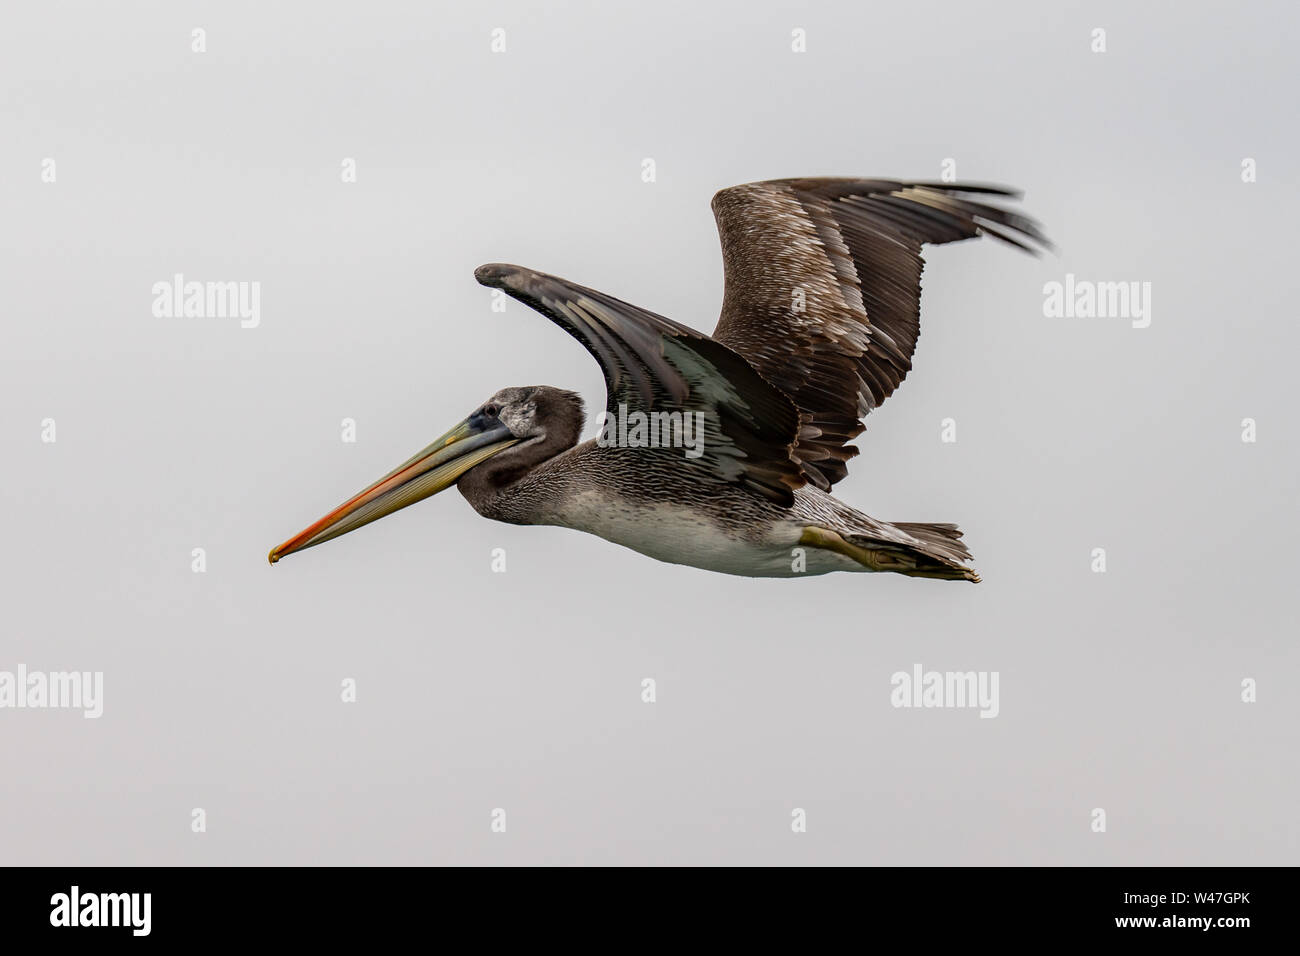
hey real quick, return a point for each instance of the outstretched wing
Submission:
(823, 290)
(652, 364)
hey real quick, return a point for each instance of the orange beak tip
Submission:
(274, 556)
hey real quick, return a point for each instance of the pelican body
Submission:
(720, 452)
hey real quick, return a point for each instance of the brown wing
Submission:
(652, 364)
(823, 290)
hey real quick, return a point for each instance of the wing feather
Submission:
(653, 364)
(823, 290)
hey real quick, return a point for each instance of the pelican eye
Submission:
(491, 411)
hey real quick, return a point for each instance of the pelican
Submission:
(719, 452)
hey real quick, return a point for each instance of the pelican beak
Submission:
(433, 469)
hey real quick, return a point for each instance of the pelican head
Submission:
(515, 429)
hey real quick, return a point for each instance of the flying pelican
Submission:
(719, 452)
